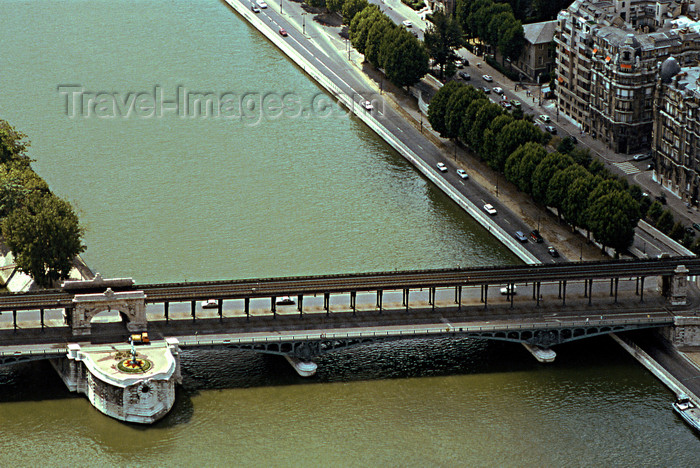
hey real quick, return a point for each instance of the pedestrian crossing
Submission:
(627, 167)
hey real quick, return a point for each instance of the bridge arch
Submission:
(131, 306)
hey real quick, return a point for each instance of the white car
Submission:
(507, 291)
(462, 173)
(442, 167)
(261, 4)
(487, 78)
(284, 300)
(498, 90)
(407, 23)
(367, 105)
(544, 118)
(210, 304)
(490, 209)
(459, 63)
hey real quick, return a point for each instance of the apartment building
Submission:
(608, 56)
(676, 136)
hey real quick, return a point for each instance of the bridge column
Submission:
(617, 281)
(562, 286)
(380, 296)
(194, 310)
(326, 303)
(538, 293)
(534, 290)
(41, 314)
(585, 288)
(14, 320)
(273, 306)
(486, 296)
(300, 305)
(590, 291)
(512, 294)
(641, 289)
(246, 306)
(458, 297)
(166, 306)
(353, 301)
(679, 286)
(221, 310)
(432, 300)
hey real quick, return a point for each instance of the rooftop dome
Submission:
(669, 69)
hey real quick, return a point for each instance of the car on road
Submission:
(486, 90)
(462, 173)
(552, 251)
(284, 300)
(510, 289)
(551, 129)
(520, 236)
(498, 90)
(283, 32)
(465, 76)
(641, 156)
(536, 237)
(544, 118)
(516, 103)
(487, 78)
(367, 105)
(254, 8)
(506, 105)
(459, 63)
(441, 167)
(210, 304)
(407, 23)
(261, 4)
(490, 209)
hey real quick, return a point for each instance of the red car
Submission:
(283, 32)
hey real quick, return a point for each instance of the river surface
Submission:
(173, 195)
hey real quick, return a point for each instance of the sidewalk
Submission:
(617, 163)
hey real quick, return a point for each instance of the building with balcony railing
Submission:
(607, 64)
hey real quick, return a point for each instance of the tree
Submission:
(473, 110)
(13, 144)
(44, 236)
(376, 33)
(491, 139)
(487, 113)
(437, 110)
(677, 231)
(360, 26)
(654, 213)
(511, 40)
(441, 38)
(334, 5)
(457, 108)
(558, 188)
(403, 57)
(17, 182)
(545, 171)
(665, 222)
(612, 219)
(516, 133)
(575, 206)
(581, 156)
(351, 8)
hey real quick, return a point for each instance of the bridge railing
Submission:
(419, 332)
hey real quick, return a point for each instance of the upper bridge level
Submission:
(306, 315)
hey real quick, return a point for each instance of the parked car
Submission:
(552, 251)
(551, 129)
(536, 237)
(520, 236)
(459, 63)
(506, 291)
(498, 90)
(487, 78)
(516, 103)
(486, 90)
(442, 167)
(462, 173)
(641, 157)
(490, 209)
(544, 118)
(465, 76)
(506, 105)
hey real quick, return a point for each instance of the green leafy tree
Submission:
(334, 5)
(403, 57)
(442, 37)
(473, 110)
(612, 219)
(511, 40)
(437, 110)
(360, 26)
(581, 156)
(44, 236)
(317, 3)
(13, 144)
(677, 231)
(491, 139)
(558, 188)
(575, 205)
(457, 109)
(487, 113)
(352, 7)
(654, 213)
(665, 222)
(516, 133)
(376, 33)
(545, 171)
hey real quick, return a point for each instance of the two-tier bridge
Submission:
(307, 316)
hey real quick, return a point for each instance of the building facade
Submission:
(537, 58)
(676, 136)
(608, 56)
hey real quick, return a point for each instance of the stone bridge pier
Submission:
(131, 305)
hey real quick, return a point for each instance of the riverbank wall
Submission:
(368, 119)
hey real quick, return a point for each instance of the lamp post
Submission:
(303, 23)
(280, 7)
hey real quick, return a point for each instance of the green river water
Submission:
(171, 198)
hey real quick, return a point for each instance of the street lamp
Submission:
(280, 7)
(303, 23)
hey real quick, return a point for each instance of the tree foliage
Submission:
(442, 37)
(44, 235)
(612, 219)
(403, 57)
(352, 7)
